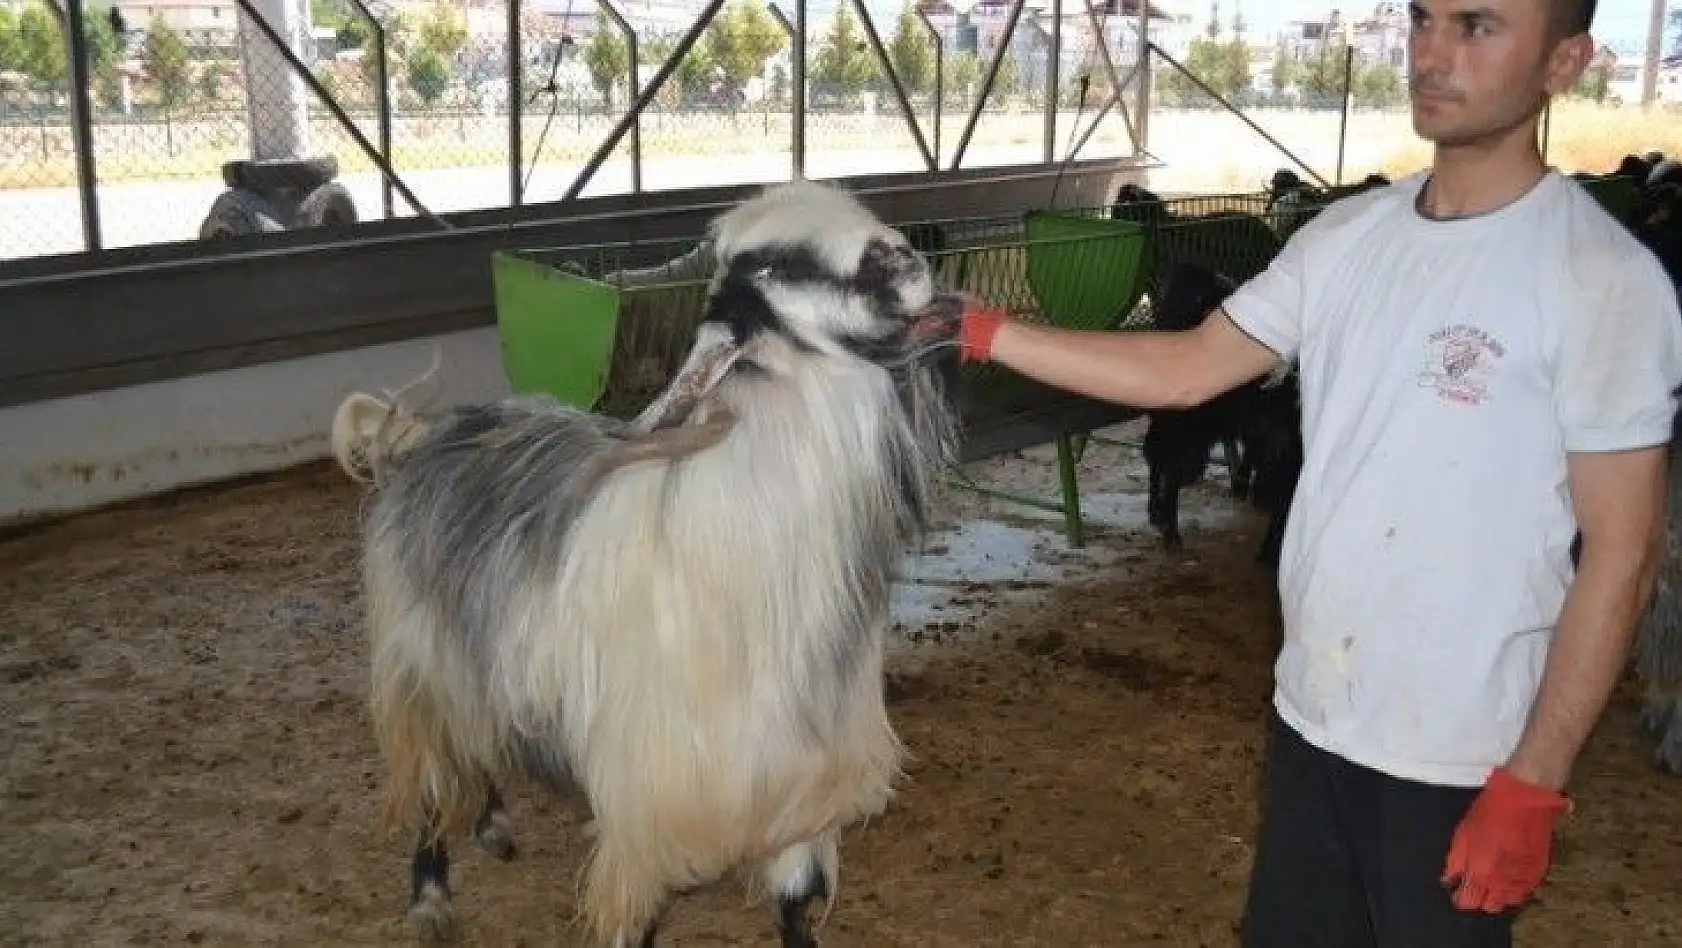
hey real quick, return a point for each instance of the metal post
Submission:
(1199, 83)
(631, 57)
(1348, 93)
(382, 95)
(987, 84)
(1654, 54)
(798, 116)
(893, 80)
(1052, 97)
(516, 104)
(1141, 140)
(1117, 83)
(276, 104)
(81, 120)
(351, 128)
(939, 80)
(643, 98)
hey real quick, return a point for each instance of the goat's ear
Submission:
(885, 260)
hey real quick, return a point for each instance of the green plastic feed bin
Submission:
(567, 331)
(556, 328)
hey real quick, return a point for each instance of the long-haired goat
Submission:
(681, 617)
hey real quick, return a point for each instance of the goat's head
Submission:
(807, 279)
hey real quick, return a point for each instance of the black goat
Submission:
(1257, 425)
(1272, 438)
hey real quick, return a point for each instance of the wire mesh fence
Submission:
(471, 120)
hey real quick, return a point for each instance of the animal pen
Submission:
(183, 678)
(190, 754)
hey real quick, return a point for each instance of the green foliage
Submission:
(164, 57)
(740, 39)
(912, 53)
(842, 62)
(444, 31)
(1222, 65)
(606, 57)
(11, 50)
(429, 74)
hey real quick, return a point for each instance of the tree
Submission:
(429, 74)
(912, 53)
(1323, 80)
(164, 57)
(1223, 66)
(1377, 84)
(606, 57)
(963, 70)
(841, 62)
(1284, 70)
(444, 31)
(740, 39)
(11, 50)
(692, 77)
(40, 46)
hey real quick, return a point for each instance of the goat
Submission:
(1257, 423)
(679, 618)
(1234, 243)
(1292, 201)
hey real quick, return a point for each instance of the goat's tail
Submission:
(368, 430)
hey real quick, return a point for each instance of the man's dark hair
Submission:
(1571, 17)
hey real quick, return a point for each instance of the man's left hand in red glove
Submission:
(1503, 847)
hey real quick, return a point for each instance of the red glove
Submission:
(975, 335)
(1501, 849)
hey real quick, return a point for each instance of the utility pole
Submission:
(1655, 46)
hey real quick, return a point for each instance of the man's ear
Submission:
(1571, 57)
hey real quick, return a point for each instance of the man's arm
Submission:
(1620, 505)
(1145, 368)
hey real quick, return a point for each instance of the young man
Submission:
(1487, 363)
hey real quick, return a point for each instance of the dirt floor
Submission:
(188, 758)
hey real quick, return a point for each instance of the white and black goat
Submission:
(682, 617)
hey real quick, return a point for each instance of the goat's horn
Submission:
(671, 443)
(715, 351)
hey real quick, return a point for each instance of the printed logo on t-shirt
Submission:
(1459, 362)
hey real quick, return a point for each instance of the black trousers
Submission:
(1348, 857)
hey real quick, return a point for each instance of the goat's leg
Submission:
(493, 831)
(1169, 506)
(430, 908)
(1237, 466)
(796, 877)
(1273, 542)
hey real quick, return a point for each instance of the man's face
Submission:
(1480, 68)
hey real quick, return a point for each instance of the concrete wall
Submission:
(68, 454)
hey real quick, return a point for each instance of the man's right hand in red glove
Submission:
(978, 325)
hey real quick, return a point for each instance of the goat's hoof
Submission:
(497, 838)
(1172, 543)
(434, 916)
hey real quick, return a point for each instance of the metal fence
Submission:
(239, 116)
(295, 113)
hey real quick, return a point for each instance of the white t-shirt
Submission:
(1446, 369)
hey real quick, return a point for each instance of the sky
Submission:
(1621, 24)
